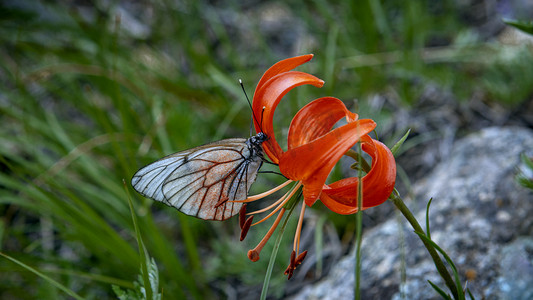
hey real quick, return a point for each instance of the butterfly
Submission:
(203, 181)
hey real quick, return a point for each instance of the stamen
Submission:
(296, 246)
(288, 269)
(270, 206)
(294, 263)
(253, 254)
(293, 257)
(289, 196)
(289, 272)
(242, 215)
(272, 212)
(263, 195)
(291, 266)
(300, 258)
(246, 227)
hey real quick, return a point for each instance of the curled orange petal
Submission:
(312, 162)
(316, 119)
(341, 196)
(266, 99)
(281, 67)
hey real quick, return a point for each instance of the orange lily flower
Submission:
(313, 149)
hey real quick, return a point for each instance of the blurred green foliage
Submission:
(90, 92)
(525, 172)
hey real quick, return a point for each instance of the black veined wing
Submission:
(200, 181)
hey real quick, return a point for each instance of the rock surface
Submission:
(479, 215)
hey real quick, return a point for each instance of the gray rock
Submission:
(516, 270)
(479, 215)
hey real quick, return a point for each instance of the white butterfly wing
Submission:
(200, 181)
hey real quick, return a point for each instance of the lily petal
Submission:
(312, 162)
(266, 99)
(321, 114)
(341, 196)
(281, 67)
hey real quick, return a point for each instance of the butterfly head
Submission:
(259, 138)
(255, 142)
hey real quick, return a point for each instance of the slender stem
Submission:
(274, 253)
(358, 157)
(439, 264)
(358, 230)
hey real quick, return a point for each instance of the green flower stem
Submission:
(439, 264)
(359, 229)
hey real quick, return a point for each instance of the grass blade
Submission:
(142, 250)
(43, 276)
(440, 291)
(428, 232)
(398, 144)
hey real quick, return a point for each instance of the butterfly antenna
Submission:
(250, 105)
(262, 113)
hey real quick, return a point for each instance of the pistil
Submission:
(253, 254)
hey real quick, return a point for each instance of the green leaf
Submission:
(440, 291)
(458, 284)
(524, 26)
(470, 294)
(398, 144)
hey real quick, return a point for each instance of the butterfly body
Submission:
(203, 181)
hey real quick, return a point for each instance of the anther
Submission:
(300, 258)
(242, 216)
(246, 227)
